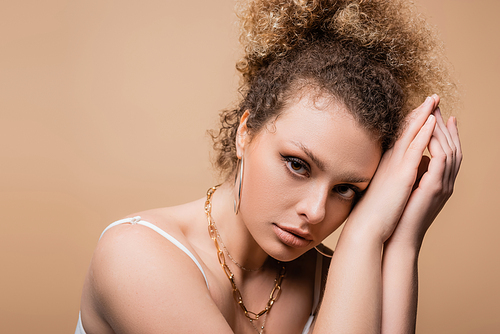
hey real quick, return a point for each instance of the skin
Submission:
(384, 293)
(299, 174)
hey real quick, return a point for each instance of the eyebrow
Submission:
(354, 179)
(311, 155)
(321, 165)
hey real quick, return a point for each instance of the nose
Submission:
(312, 206)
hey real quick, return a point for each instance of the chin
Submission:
(287, 255)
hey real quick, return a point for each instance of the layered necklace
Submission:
(276, 291)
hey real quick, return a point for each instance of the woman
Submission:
(324, 133)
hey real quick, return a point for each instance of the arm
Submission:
(138, 282)
(399, 270)
(400, 289)
(353, 296)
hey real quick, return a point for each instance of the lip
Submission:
(292, 237)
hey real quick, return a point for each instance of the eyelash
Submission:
(302, 163)
(287, 159)
(357, 193)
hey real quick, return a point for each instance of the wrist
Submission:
(407, 249)
(361, 235)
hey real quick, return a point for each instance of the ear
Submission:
(242, 135)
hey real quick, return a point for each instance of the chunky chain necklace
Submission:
(275, 293)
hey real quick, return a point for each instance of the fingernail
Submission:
(427, 100)
(430, 119)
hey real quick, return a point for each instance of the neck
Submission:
(233, 231)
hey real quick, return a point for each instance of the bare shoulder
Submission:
(139, 281)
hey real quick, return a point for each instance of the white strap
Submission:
(79, 327)
(308, 325)
(137, 220)
(318, 276)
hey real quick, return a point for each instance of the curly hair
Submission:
(379, 58)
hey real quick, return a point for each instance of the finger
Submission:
(415, 120)
(453, 129)
(437, 165)
(436, 99)
(417, 146)
(451, 143)
(444, 128)
(444, 142)
(418, 116)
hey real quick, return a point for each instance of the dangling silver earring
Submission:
(321, 252)
(237, 200)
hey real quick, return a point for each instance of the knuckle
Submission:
(454, 152)
(449, 152)
(436, 188)
(445, 190)
(453, 148)
(442, 189)
(440, 157)
(415, 146)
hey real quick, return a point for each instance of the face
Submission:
(302, 174)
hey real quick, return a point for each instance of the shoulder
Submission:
(144, 245)
(137, 276)
(140, 240)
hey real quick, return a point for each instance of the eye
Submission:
(296, 165)
(347, 192)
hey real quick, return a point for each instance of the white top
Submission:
(138, 220)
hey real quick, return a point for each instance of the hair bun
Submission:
(391, 32)
(271, 28)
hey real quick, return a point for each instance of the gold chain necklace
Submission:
(275, 293)
(231, 258)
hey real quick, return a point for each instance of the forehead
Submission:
(327, 129)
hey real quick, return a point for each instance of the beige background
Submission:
(104, 107)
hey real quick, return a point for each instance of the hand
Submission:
(380, 209)
(434, 185)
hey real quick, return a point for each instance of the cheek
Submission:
(266, 193)
(261, 182)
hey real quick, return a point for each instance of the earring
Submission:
(238, 194)
(322, 253)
